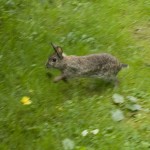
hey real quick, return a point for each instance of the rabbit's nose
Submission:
(47, 65)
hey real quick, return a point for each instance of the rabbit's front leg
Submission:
(116, 83)
(61, 77)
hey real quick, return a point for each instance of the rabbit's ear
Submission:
(58, 50)
(54, 47)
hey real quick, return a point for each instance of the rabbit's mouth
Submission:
(48, 65)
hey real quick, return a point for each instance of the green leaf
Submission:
(134, 107)
(68, 144)
(117, 115)
(132, 99)
(118, 99)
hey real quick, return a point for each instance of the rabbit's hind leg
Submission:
(114, 80)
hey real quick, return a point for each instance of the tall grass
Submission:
(60, 111)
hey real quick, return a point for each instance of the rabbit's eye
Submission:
(54, 59)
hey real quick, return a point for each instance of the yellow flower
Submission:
(26, 100)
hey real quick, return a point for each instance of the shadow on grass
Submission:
(96, 86)
(79, 88)
(83, 87)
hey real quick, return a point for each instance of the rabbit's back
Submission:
(95, 65)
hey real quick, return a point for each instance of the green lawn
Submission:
(61, 111)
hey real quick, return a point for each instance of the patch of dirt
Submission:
(142, 32)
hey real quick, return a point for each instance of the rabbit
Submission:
(102, 65)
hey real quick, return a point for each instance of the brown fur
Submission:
(102, 65)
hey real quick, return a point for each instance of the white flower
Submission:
(95, 131)
(84, 133)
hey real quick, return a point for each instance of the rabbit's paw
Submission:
(58, 78)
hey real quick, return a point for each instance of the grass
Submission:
(60, 111)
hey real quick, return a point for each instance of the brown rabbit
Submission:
(103, 65)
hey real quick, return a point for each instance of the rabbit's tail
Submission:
(124, 66)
